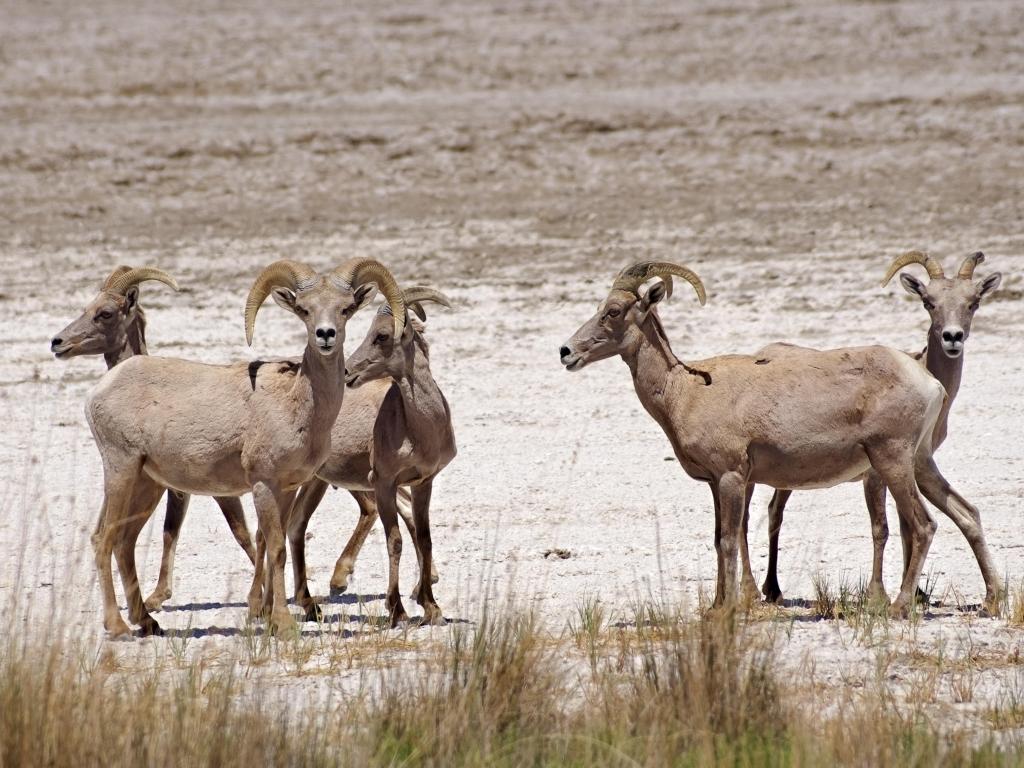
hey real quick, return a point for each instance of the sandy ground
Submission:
(515, 156)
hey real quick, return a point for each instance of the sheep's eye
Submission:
(300, 311)
(614, 312)
(105, 315)
(928, 305)
(382, 338)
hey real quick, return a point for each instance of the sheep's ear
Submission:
(364, 295)
(284, 298)
(911, 284)
(989, 284)
(653, 295)
(131, 299)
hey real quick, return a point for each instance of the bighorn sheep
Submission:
(413, 439)
(803, 419)
(229, 429)
(951, 304)
(416, 408)
(114, 325)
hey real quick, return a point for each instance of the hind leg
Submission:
(145, 496)
(177, 506)
(347, 560)
(940, 493)
(776, 509)
(231, 508)
(894, 463)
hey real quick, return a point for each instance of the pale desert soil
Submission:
(515, 156)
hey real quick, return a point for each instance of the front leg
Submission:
(874, 496)
(272, 506)
(421, 517)
(310, 495)
(385, 490)
(719, 586)
(750, 590)
(731, 494)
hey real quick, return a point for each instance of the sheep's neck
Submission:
(423, 403)
(322, 378)
(948, 371)
(651, 363)
(134, 341)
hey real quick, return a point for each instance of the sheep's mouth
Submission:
(573, 362)
(62, 352)
(352, 380)
(953, 350)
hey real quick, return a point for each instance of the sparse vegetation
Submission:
(678, 691)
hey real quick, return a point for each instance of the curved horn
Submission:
(970, 264)
(356, 272)
(123, 278)
(286, 273)
(914, 257)
(417, 294)
(632, 277)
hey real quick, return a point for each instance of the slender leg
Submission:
(720, 578)
(940, 493)
(270, 504)
(421, 514)
(231, 507)
(387, 509)
(177, 506)
(119, 478)
(731, 492)
(776, 509)
(404, 509)
(895, 466)
(145, 496)
(257, 604)
(310, 495)
(749, 588)
(347, 561)
(874, 496)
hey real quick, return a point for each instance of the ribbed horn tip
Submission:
(284, 273)
(632, 277)
(970, 264)
(357, 272)
(123, 278)
(914, 257)
(417, 294)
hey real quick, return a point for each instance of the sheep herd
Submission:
(377, 424)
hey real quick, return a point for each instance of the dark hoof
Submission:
(399, 618)
(433, 617)
(149, 628)
(314, 613)
(338, 591)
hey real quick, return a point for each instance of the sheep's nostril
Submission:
(952, 336)
(325, 333)
(565, 351)
(56, 341)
